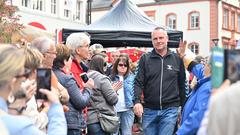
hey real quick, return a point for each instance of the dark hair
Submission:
(63, 53)
(122, 58)
(97, 63)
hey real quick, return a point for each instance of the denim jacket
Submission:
(128, 88)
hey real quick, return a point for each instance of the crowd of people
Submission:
(158, 90)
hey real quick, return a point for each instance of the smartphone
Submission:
(232, 62)
(43, 81)
(217, 66)
(84, 77)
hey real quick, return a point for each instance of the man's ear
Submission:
(78, 50)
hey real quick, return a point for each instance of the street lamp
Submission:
(215, 41)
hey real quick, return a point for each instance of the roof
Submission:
(124, 25)
(99, 4)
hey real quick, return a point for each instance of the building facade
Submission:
(52, 15)
(200, 20)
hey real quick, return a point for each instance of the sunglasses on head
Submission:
(121, 65)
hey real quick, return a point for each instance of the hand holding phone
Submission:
(88, 82)
(43, 82)
(84, 77)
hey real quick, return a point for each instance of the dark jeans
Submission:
(95, 129)
(74, 132)
(159, 122)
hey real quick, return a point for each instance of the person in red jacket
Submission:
(79, 44)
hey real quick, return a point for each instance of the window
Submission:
(194, 20)
(25, 3)
(225, 18)
(53, 7)
(238, 22)
(194, 47)
(233, 21)
(66, 13)
(171, 21)
(78, 10)
(38, 5)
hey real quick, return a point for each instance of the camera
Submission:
(43, 82)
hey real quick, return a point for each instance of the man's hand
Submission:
(138, 109)
(182, 48)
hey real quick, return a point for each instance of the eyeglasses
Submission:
(26, 73)
(18, 110)
(121, 65)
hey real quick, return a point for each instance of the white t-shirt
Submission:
(121, 106)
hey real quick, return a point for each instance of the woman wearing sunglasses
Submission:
(121, 74)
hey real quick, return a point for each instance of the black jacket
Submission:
(162, 80)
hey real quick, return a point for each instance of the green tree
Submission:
(8, 21)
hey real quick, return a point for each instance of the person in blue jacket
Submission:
(197, 102)
(121, 74)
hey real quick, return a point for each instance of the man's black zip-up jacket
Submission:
(162, 80)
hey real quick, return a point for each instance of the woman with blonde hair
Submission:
(12, 73)
(33, 61)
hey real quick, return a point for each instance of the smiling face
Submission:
(159, 40)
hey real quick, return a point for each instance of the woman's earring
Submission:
(11, 98)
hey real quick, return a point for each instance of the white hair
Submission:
(42, 44)
(76, 40)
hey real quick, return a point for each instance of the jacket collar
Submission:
(202, 81)
(155, 54)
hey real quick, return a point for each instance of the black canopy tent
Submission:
(124, 25)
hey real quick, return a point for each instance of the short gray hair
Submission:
(160, 29)
(76, 40)
(42, 44)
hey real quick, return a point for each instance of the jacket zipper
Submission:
(161, 84)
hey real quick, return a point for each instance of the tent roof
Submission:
(126, 16)
(124, 25)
